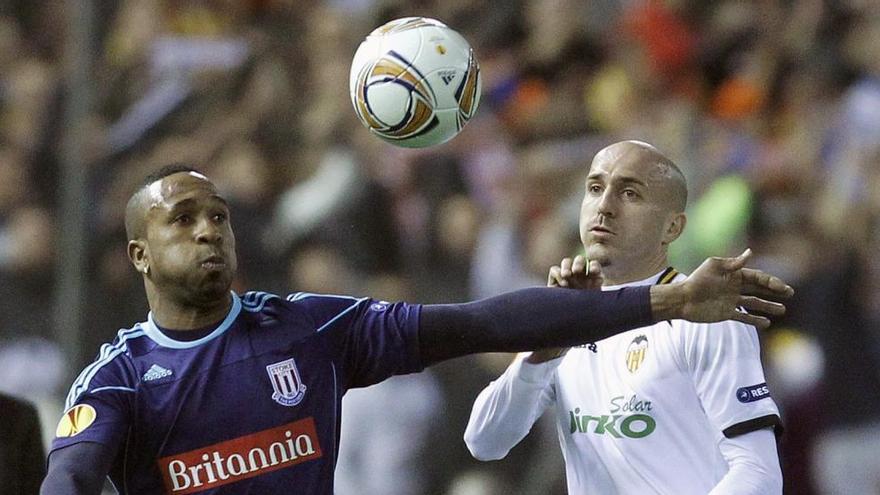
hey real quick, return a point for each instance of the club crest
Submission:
(288, 387)
(636, 352)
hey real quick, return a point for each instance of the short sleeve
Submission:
(98, 407)
(372, 339)
(724, 360)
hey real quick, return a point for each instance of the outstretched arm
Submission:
(539, 318)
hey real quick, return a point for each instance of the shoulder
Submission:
(717, 330)
(302, 304)
(327, 308)
(113, 366)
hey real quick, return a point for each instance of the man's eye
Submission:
(182, 219)
(220, 217)
(595, 188)
(629, 193)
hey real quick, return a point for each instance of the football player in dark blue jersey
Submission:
(218, 392)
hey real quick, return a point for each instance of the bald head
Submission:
(139, 203)
(661, 171)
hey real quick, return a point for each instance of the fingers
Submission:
(595, 271)
(576, 273)
(565, 267)
(554, 278)
(579, 265)
(756, 282)
(762, 306)
(732, 264)
(760, 322)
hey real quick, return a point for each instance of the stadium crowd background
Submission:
(771, 108)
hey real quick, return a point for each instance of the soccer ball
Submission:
(415, 82)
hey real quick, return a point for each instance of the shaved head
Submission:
(633, 208)
(665, 172)
(139, 203)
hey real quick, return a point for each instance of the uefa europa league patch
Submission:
(75, 420)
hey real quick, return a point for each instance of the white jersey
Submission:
(640, 412)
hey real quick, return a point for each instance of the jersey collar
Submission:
(165, 341)
(662, 277)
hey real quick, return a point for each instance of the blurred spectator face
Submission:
(28, 88)
(546, 243)
(31, 233)
(458, 223)
(241, 172)
(627, 217)
(135, 27)
(320, 269)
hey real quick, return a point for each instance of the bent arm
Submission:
(505, 411)
(530, 319)
(78, 469)
(754, 465)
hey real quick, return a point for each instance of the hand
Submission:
(572, 274)
(720, 289)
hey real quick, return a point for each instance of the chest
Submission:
(228, 398)
(640, 372)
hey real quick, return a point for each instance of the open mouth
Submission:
(213, 263)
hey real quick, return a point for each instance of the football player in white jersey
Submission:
(674, 408)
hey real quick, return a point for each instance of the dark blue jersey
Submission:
(251, 407)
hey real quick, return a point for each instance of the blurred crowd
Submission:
(770, 107)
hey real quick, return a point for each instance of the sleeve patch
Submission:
(75, 420)
(752, 393)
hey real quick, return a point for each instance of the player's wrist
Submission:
(668, 301)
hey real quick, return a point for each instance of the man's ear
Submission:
(674, 228)
(138, 253)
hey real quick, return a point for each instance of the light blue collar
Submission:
(160, 338)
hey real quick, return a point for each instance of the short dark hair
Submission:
(167, 170)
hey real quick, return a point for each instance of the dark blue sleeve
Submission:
(78, 469)
(530, 319)
(372, 339)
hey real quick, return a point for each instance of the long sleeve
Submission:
(78, 469)
(506, 409)
(754, 465)
(530, 319)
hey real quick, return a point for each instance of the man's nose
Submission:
(607, 203)
(208, 232)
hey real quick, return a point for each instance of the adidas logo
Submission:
(155, 372)
(447, 76)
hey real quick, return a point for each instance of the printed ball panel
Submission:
(414, 82)
(442, 128)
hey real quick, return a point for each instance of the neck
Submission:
(175, 314)
(619, 274)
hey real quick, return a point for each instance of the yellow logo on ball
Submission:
(75, 420)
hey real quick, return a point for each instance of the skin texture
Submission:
(632, 210)
(182, 243)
